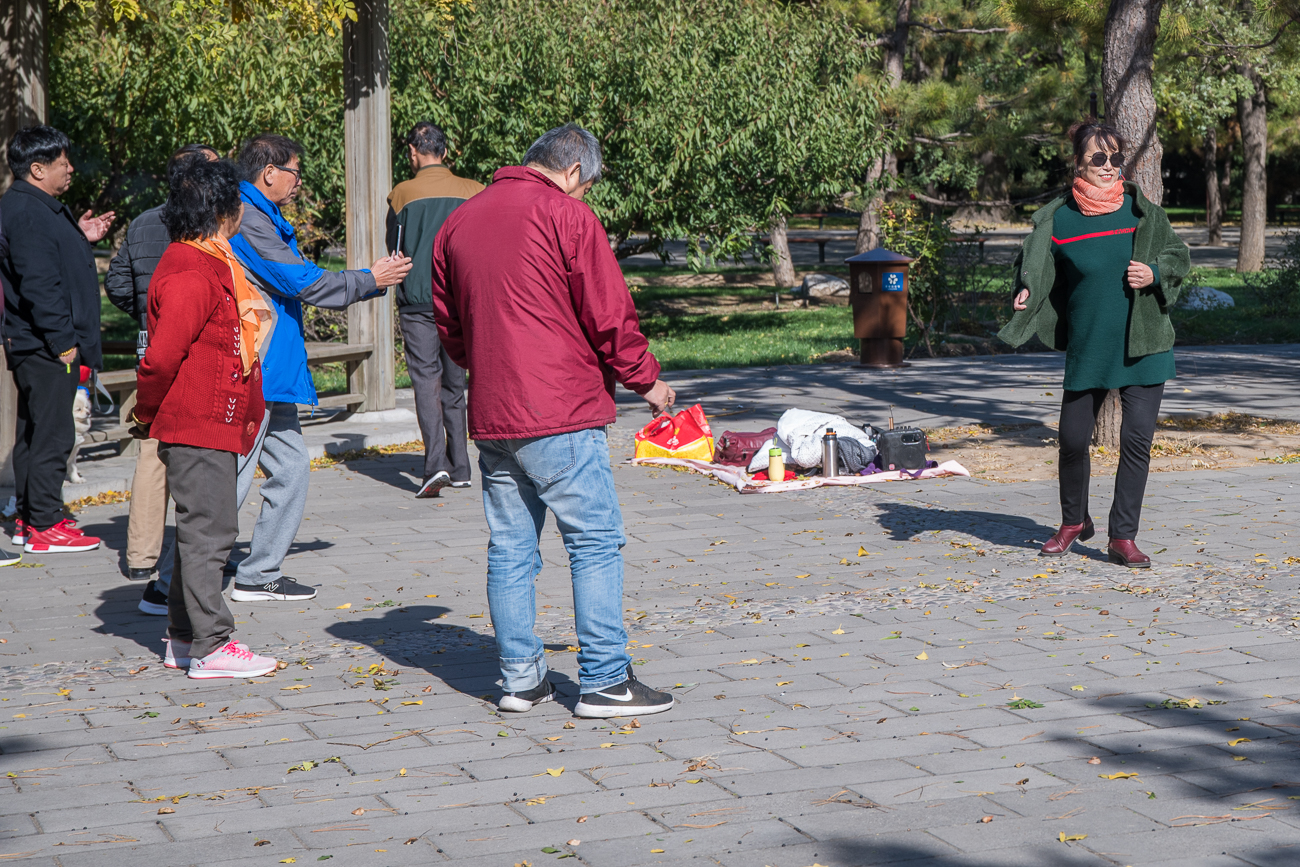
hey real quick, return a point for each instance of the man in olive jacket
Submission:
(419, 207)
(51, 327)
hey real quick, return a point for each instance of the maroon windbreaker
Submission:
(530, 300)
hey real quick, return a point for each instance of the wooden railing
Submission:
(122, 385)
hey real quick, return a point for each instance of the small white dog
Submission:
(81, 421)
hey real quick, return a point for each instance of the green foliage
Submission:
(1278, 287)
(713, 115)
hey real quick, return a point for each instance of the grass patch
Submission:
(748, 339)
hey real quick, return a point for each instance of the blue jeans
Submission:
(569, 474)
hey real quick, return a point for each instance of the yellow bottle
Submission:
(775, 465)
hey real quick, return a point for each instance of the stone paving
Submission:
(864, 677)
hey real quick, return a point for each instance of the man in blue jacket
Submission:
(267, 246)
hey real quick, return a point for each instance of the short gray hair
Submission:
(565, 145)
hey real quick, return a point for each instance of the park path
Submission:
(863, 676)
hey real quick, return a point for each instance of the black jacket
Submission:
(50, 284)
(127, 280)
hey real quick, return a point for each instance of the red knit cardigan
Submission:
(192, 389)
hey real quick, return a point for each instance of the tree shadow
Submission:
(905, 521)
(416, 636)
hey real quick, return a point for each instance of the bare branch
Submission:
(1230, 47)
(972, 30)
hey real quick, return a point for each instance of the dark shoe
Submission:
(433, 485)
(8, 558)
(1125, 552)
(522, 702)
(153, 601)
(282, 589)
(138, 574)
(1058, 545)
(629, 698)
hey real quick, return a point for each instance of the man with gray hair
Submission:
(530, 299)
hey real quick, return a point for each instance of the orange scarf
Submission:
(254, 312)
(1094, 201)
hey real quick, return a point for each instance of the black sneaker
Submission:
(8, 558)
(282, 589)
(433, 485)
(154, 601)
(629, 698)
(522, 702)
(138, 574)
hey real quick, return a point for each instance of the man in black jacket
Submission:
(51, 327)
(127, 286)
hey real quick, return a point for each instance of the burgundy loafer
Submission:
(1059, 544)
(1125, 552)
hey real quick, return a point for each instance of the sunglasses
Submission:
(1099, 159)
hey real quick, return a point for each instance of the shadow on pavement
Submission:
(118, 615)
(904, 521)
(403, 470)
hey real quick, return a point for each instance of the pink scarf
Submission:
(1094, 201)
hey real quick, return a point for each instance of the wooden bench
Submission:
(972, 239)
(122, 385)
(819, 240)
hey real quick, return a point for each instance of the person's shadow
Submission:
(417, 636)
(119, 615)
(904, 521)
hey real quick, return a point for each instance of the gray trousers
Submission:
(439, 387)
(282, 455)
(207, 521)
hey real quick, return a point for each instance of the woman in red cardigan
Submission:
(200, 396)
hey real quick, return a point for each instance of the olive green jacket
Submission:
(1154, 242)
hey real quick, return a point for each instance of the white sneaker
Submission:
(231, 660)
(433, 486)
(177, 654)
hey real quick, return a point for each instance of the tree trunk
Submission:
(1127, 55)
(1252, 113)
(994, 185)
(782, 265)
(1213, 203)
(885, 169)
(1225, 180)
(24, 74)
(1106, 431)
(869, 223)
(368, 172)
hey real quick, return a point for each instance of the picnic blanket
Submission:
(746, 484)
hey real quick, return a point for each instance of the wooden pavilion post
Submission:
(23, 102)
(368, 177)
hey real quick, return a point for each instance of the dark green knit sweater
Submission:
(1046, 313)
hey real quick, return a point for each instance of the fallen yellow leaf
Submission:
(656, 851)
(839, 630)
(693, 782)
(472, 616)
(414, 702)
(804, 575)
(1122, 775)
(1077, 688)
(296, 686)
(431, 596)
(923, 655)
(748, 662)
(288, 860)
(1239, 758)
(784, 682)
(555, 772)
(862, 552)
(1070, 838)
(607, 746)
(340, 608)
(554, 738)
(402, 772)
(1233, 743)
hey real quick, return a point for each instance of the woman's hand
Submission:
(1139, 275)
(1021, 297)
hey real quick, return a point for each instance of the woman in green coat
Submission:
(1096, 278)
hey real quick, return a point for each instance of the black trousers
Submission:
(203, 484)
(1079, 409)
(43, 437)
(439, 387)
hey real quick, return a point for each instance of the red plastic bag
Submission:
(685, 435)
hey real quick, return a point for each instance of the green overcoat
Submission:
(1154, 243)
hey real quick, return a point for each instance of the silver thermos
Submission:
(830, 453)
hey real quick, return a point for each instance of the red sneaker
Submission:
(20, 532)
(62, 538)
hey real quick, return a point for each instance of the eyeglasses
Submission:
(1099, 159)
(297, 173)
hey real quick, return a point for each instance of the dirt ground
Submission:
(1016, 453)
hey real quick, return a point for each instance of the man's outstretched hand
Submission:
(660, 397)
(95, 228)
(390, 270)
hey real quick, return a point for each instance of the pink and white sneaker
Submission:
(231, 660)
(177, 654)
(20, 532)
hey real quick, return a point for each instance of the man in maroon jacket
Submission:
(530, 300)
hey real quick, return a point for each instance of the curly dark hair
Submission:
(1087, 130)
(202, 194)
